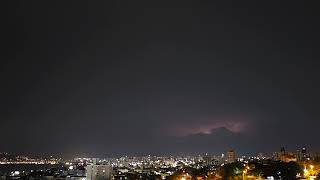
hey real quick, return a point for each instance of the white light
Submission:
(270, 178)
(70, 167)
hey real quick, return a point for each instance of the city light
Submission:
(201, 167)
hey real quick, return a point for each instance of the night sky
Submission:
(114, 78)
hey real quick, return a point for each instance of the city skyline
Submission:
(113, 78)
(283, 164)
(302, 154)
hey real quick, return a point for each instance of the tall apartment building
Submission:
(97, 171)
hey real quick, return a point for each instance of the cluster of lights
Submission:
(310, 172)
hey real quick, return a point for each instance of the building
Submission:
(276, 156)
(289, 157)
(215, 162)
(299, 156)
(231, 156)
(306, 156)
(97, 171)
(285, 156)
(282, 152)
(207, 160)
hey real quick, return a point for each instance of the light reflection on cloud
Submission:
(208, 127)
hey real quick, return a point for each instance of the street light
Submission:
(244, 172)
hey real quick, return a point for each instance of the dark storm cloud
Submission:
(114, 78)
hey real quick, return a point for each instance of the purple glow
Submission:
(209, 127)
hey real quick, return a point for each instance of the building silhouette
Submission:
(231, 156)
